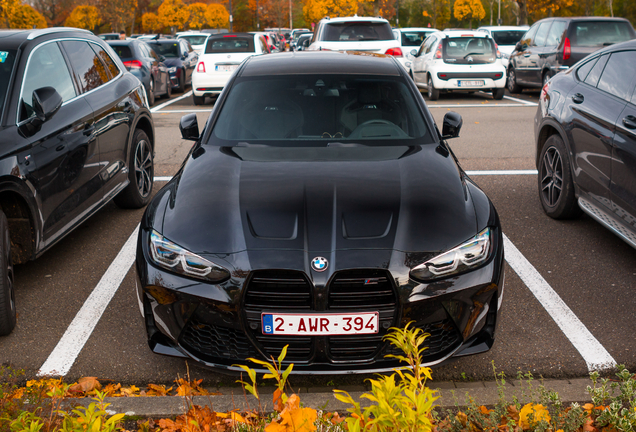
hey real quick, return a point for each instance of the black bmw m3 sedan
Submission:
(319, 206)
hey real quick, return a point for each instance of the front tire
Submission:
(141, 174)
(513, 87)
(197, 100)
(168, 88)
(150, 92)
(433, 93)
(556, 186)
(498, 93)
(8, 315)
(182, 83)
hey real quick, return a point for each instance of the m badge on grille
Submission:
(319, 264)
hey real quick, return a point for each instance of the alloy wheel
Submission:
(143, 168)
(512, 80)
(551, 177)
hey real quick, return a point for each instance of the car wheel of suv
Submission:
(182, 83)
(198, 100)
(141, 174)
(7, 293)
(433, 93)
(168, 87)
(150, 91)
(556, 187)
(498, 93)
(513, 87)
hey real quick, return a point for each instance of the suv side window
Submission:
(108, 61)
(595, 73)
(614, 80)
(529, 36)
(585, 68)
(88, 69)
(46, 68)
(556, 33)
(542, 34)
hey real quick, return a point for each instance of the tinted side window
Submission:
(542, 34)
(584, 69)
(595, 73)
(46, 68)
(110, 64)
(88, 69)
(527, 38)
(556, 33)
(614, 80)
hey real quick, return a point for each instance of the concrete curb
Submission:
(451, 394)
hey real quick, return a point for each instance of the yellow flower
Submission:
(539, 413)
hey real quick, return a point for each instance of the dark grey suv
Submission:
(555, 44)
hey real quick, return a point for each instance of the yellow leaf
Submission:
(85, 385)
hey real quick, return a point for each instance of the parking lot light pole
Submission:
(230, 16)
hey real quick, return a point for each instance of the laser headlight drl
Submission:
(464, 257)
(176, 259)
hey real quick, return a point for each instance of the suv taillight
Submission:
(567, 50)
(201, 67)
(133, 64)
(395, 52)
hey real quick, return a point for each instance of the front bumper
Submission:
(219, 325)
(456, 80)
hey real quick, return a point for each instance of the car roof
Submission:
(495, 28)
(466, 33)
(160, 41)
(321, 62)
(225, 35)
(428, 29)
(12, 39)
(354, 18)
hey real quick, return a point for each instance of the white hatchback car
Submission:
(356, 33)
(197, 39)
(506, 37)
(410, 38)
(223, 54)
(465, 61)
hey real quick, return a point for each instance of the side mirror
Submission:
(518, 47)
(162, 58)
(189, 127)
(46, 101)
(452, 124)
(413, 52)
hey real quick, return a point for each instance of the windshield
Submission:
(194, 40)
(230, 44)
(414, 38)
(358, 31)
(507, 37)
(166, 49)
(320, 110)
(599, 33)
(123, 51)
(469, 50)
(7, 58)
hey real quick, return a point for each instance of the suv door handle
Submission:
(630, 122)
(578, 98)
(526, 55)
(88, 129)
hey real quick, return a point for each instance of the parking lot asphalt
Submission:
(576, 311)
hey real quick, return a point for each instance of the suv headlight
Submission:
(464, 257)
(178, 260)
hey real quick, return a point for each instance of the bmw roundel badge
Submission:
(319, 264)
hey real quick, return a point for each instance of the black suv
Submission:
(555, 44)
(75, 132)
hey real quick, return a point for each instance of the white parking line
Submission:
(184, 111)
(502, 172)
(595, 355)
(487, 105)
(534, 104)
(76, 335)
(171, 101)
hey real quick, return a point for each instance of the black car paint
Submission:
(279, 215)
(53, 180)
(601, 148)
(184, 63)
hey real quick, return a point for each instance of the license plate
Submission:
(473, 83)
(328, 324)
(225, 68)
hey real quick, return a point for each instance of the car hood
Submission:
(231, 199)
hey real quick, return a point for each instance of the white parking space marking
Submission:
(534, 104)
(184, 111)
(162, 179)
(68, 348)
(595, 355)
(171, 101)
(482, 105)
(501, 172)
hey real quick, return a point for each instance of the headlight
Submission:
(173, 257)
(172, 69)
(458, 260)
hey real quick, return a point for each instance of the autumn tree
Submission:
(25, 17)
(86, 17)
(150, 22)
(315, 10)
(198, 15)
(118, 13)
(218, 16)
(438, 11)
(469, 9)
(173, 13)
(54, 11)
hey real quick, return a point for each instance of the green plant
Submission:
(274, 369)
(401, 401)
(619, 398)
